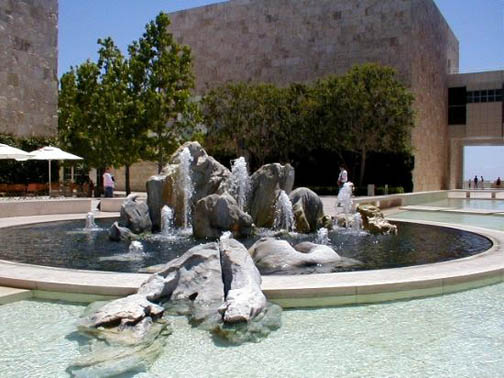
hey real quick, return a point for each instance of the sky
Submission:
(478, 25)
(481, 161)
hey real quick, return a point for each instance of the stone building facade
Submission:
(284, 41)
(476, 116)
(28, 67)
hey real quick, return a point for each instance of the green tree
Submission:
(251, 120)
(375, 113)
(121, 107)
(161, 70)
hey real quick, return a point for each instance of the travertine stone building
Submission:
(28, 67)
(476, 116)
(283, 41)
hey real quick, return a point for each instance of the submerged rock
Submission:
(215, 214)
(118, 233)
(266, 184)
(271, 255)
(267, 321)
(374, 221)
(135, 215)
(123, 350)
(308, 209)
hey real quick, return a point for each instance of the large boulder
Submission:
(135, 215)
(155, 202)
(374, 221)
(266, 184)
(198, 289)
(207, 176)
(216, 213)
(242, 283)
(308, 209)
(271, 255)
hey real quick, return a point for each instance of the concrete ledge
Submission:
(43, 207)
(289, 291)
(114, 204)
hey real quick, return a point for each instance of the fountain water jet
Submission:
(90, 221)
(186, 187)
(240, 181)
(322, 236)
(166, 220)
(284, 215)
(136, 248)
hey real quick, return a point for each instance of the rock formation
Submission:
(374, 221)
(242, 283)
(266, 184)
(308, 209)
(135, 215)
(207, 175)
(216, 285)
(215, 214)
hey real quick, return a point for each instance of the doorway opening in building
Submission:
(483, 167)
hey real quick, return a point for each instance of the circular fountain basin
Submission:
(314, 290)
(66, 244)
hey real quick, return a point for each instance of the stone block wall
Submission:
(433, 56)
(28, 67)
(286, 41)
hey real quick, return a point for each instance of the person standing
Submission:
(108, 183)
(482, 183)
(475, 182)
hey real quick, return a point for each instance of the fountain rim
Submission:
(314, 290)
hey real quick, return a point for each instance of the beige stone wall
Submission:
(139, 174)
(283, 41)
(28, 67)
(434, 51)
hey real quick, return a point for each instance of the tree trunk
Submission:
(127, 174)
(362, 167)
(99, 182)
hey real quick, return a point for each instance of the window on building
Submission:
(457, 100)
(498, 94)
(489, 95)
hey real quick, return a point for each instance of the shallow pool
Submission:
(457, 335)
(475, 204)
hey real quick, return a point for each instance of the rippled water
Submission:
(66, 244)
(456, 335)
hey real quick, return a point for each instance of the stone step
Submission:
(9, 294)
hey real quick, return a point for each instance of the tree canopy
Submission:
(365, 110)
(120, 109)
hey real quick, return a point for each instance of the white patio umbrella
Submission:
(50, 153)
(8, 152)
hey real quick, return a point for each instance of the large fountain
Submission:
(233, 227)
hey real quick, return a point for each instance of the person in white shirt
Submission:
(108, 183)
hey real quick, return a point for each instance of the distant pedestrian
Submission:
(108, 183)
(482, 183)
(475, 182)
(469, 182)
(498, 181)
